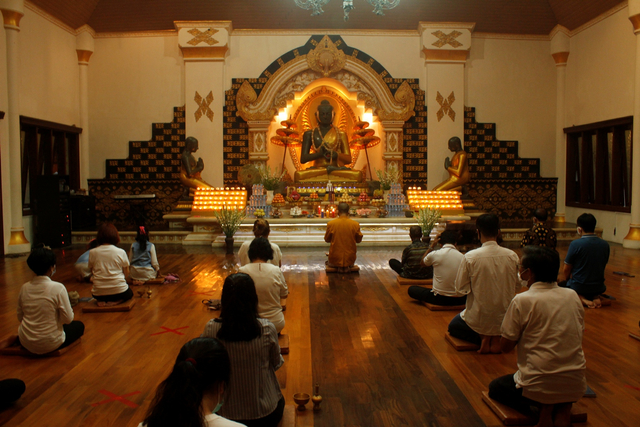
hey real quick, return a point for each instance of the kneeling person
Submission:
(343, 233)
(411, 266)
(546, 323)
(445, 262)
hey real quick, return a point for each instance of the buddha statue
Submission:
(458, 168)
(190, 169)
(328, 148)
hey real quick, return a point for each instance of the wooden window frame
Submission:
(45, 145)
(595, 178)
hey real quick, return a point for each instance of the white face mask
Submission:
(524, 283)
(54, 271)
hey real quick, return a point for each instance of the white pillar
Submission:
(632, 240)
(84, 48)
(560, 44)
(446, 48)
(12, 12)
(204, 46)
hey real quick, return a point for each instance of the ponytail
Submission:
(142, 237)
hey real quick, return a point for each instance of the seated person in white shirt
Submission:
(44, 310)
(445, 262)
(489, 277)
(269, 281)
(546, 323)
(260, 229)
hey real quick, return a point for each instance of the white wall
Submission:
(512, 83)
(600, 86)
(133, 82)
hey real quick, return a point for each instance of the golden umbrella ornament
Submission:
(364, 136)
(286, 136)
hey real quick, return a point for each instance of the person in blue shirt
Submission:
(585, 262)
(142, 257)
(82, 264)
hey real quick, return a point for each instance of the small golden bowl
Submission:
(301, 399)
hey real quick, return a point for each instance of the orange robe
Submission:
(343, 233)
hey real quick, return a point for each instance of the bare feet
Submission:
(562, 415)
(587, 303)
(597, 302)
(137, 282)
(485, 347)
(546, 416)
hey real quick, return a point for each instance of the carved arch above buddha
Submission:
(326, 60)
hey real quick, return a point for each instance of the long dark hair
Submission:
(239, 312)
(142, 237)
(201, 365)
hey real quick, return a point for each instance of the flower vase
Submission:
(269, 196)
(229, 242)
(386, 195)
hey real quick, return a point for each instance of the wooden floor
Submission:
(380, 359)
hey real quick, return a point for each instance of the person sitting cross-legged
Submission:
(269, 282)
(445, 262)
(260, 229)
(540, 234)
(546, 323)
(411, 266)
(585, 262)
(343, 233)
(489, 277)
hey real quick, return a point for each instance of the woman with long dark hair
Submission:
(254, 397)
(193, 392)
(143, 258)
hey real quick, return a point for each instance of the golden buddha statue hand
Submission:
(328, 148)
(457, 166)
(191, 169)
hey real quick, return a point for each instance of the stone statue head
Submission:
(325, 113)
(455, 144)
(191, 144)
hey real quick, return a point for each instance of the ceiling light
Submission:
(347, 6)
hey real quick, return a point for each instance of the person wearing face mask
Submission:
(489, 277)
(585, 262)
(44, 310)
(193, 392)
(546, 323)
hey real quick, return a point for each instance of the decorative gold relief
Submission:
(374, 229)
(560, 57)
(202, 37)
(203, 106)
(445, 106)
(323, 229)
(634, 232)
(247, 96)
(326, 58)
(444, 39)
(11, 19)
(407, 99)
(83, 55)
(288, 229)
(18, 238)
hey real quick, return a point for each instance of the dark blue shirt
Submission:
(588, 257)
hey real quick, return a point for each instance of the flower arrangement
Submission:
(270, 180)
(388, 177)
(364, 212)
(230, 220)
(427, 219)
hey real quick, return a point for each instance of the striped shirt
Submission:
(411, 261)
(253, 390)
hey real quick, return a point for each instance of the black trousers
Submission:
(124, 296)
(72, 332)
(396, 266)
(10, 390)
(270, 420)
(503, 390)
(587, 295)
(425, 295)
(458, 328)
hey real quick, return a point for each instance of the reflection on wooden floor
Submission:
(379, 358)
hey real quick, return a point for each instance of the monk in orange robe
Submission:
(343, 233)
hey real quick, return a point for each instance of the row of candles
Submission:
(420, 199)
(207, 199)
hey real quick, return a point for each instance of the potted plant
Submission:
(271, 181)
(230, 220)
(427, 219)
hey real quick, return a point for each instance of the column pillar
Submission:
(84, 48)
(393, 147)
(446, 49)
(632, 239)
(12, 12)
(258, 143)
(560, 44)
(205, 46)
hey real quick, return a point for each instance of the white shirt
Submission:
(271, 288)
(445, 262)
(548, 322)
(106, 263)
(243, 254)
(43, 307)
(213, 420)
(489, 276)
